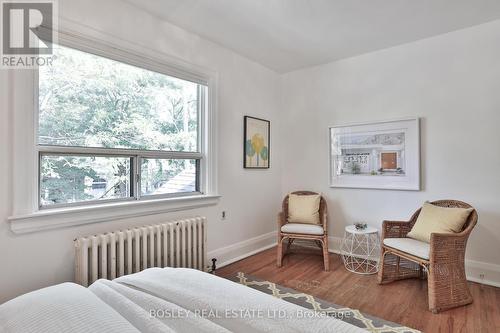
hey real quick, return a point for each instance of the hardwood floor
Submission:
(404, 302)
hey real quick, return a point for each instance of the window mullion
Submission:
(171, 155)
(133, 177)
(45, 149)
(137, 177)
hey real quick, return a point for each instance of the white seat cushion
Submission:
(408, 245)
(302, 228)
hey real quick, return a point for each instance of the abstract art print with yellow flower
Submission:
(256, 143)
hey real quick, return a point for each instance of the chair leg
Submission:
(431, 291)
(447, 286)
(280, 251)
(326, 258)
(380, 275)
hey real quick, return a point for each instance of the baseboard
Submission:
(482, 272)
(237, 251)
(334, 244)
(476, 271)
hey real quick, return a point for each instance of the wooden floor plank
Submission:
(404, 302)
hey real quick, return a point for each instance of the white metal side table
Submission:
(360, 250)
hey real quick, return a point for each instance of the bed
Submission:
(160, 300)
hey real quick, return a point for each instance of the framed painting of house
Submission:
(382, 155)
(256, 148)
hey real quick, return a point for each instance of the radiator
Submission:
(179, 243)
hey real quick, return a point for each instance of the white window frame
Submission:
(27, 215)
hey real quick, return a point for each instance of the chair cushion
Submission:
(408, 245)
(302, 228)
(434, 219)
(304, 208)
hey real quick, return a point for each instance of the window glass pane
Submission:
(68, 179)
(165, 176)
(90, 101)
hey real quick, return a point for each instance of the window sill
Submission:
(66, 217)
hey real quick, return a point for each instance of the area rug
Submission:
(351, 316)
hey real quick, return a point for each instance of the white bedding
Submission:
(136, 305)
(160, 300)
(229, 304)
(66, 307)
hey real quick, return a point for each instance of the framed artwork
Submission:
(382, 155)
(256, 148)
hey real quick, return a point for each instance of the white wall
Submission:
(452, 81)
(250, 198)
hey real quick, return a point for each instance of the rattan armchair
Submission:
(321, 239)
(445, 267)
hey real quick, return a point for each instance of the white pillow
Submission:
(304, 208)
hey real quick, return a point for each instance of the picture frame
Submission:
(376, 155)
(256, 143)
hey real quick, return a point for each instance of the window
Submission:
(110, 131)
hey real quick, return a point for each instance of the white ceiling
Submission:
(285, 35)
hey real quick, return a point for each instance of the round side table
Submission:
(360, 250)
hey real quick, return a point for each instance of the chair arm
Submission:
(448, 247)
(395, 229)
(281, 220)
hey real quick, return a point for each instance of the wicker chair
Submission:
(444, 267)
(318, 233)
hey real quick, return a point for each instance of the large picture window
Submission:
(110, 131)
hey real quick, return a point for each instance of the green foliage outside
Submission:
(355, 168)
(90, 101)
